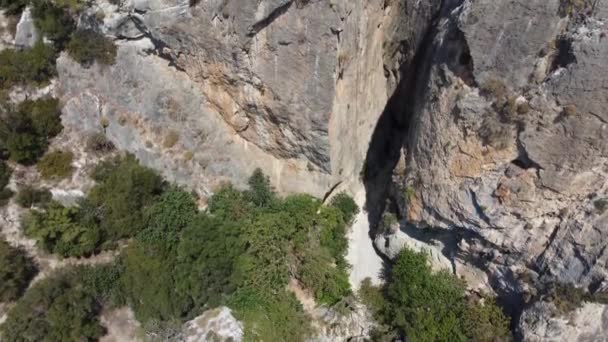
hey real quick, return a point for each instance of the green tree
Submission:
(16, 271)
(347, 206)
(207, 252)
(260, 191)
(123, 191)
(486, 322)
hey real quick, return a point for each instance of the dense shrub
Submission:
(53, 21)
(56, 165)
(88, 46)
(123, 191)
(270, 316)
(16, 271)
(347, 206)
(601, 205)
(242, 253)
(98, 143)
(486, 322)
(428, 306)
(29, 196)
(31, 66)
(62, 307)
(59, 230)
(25, 131)
(13, 7)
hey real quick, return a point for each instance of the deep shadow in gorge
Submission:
(395, 131)
(391, 131)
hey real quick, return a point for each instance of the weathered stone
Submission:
(541, 323)
(506, 37)
(26, 34)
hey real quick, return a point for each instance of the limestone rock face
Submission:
(213, 325)
(589, 323)
(26, 34)
(294, 87)
(495, 112)
(506, 145)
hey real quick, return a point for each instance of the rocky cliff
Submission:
(480, 123)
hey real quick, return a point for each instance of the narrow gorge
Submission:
(475, 131)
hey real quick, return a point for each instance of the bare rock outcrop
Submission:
(542, 323)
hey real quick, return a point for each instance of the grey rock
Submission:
(506, 37)
(27, 33)
(541, 323)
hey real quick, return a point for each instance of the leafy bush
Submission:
(347, 206)
(29, 196)
(58, 308)
(58, 230)
(25, 132)
(56, 165)
(31, 66)
(88, 46)
(16, 272)
(123, 191)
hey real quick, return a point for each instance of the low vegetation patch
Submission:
(88, 46)
(29, 196)
(34, 66)
(56, 165)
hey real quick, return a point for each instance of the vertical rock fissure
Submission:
(391, 132)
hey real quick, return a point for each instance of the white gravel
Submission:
(362, 257)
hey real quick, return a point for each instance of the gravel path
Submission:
(361, 255)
